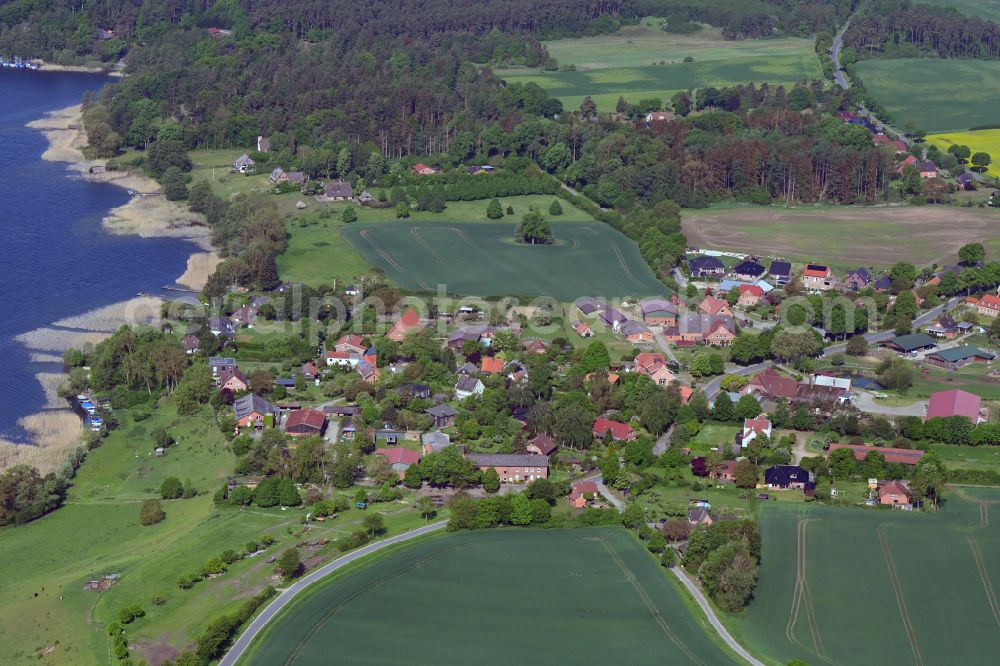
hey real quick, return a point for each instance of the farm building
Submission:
(715, 306)
(443, 415)
(959, 357)
(659, 312)
(253, 411)
(399, 458)
(432, 442)
(911, 342)
(892, 455)
(955, 403)
(512, 466)
(305, 422)
(408, 323)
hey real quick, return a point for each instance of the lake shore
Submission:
(79, 69)
(55, 431)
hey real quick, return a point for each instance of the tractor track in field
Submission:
(984, 576)
(622, 262)
(648, 602)
(897, 588)
(381, 252)
(415, 232)
(801, 596)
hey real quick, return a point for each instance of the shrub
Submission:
(129, 614)
(151, 512)
(171, 488)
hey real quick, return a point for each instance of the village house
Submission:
(583, 329)
(535, 346)
(894, 493)
(468, 386)
(909, 343)
(409, 391)
(620, 432)
(512, 467)
(218, 364)
(699, 516)
(491, 365)
(350, 343)
(635, 332)
(659, 312)
(443, 415)
(959, 357)
(246, 316)
(368, 369)
(927, 169)
(780, 272)
(858, 279)
(654, 366)
(956, 402)
(752, 429)
(750, 295)
(965, 181)
(253, 411)
(816, 277)
(309, 370)
(344, 359)
(748, 270)
(945, 327)
(891, 455)
(719, 330)
(581, 493)
(338, 190)
(706, 266)
(305, 423)
(909, 160)
(243, 164)
(715, 306)
(191, 344)
(725, 472)
(786, 476)
(424, 170)
(988, 305)
(231, 379)
(340, 411)
(408, 323)
(399, 458)
(434, 442)
(542, 444)
(221, 327)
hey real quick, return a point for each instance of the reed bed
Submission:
(55, 433)
(200, 266)
(58, 340)
(109, 318)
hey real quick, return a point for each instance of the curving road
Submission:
(713, 619)
(838, 72)
(289, 593)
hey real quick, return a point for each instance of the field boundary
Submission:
(897, 588)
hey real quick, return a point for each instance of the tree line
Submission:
(899, 29)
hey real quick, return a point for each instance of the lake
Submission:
(58, 260)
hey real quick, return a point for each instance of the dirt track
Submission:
(844, 236)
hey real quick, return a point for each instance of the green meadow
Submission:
(875, 586)
(939, 95)
(642, 61)
(584, 596)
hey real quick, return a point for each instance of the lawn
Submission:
(643, 61)
(968, 457)
(953, 94)
(986, 141)
(587, 596)
(860, 587)
(482, 259)
(843, 236)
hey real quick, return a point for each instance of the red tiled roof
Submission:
(399, 455)
(990, 301)
(686, 393)
(773, 383)
(751, 289)
(492, 365)
(954, 403)
(712, 305)
(353, 339)
(760, 425)
(816, 271)
(581, 488)
(893, 487)
(618, 430)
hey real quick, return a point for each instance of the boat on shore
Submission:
(16, 63)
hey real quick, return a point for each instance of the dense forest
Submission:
(897, 28)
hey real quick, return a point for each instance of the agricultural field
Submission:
(940, 95)
(482, 259)
(984, 10)
(867, 587)
(986, 141)
(46, 617)
(588, 596)
(318, 254)
(643, 61)
(842, 236)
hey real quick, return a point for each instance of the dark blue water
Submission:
(56, 259)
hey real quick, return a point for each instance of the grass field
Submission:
(482, 259)
(987, 141)
(854, 586)
(844, 236)
(45, 615)
(528, 597)
(643, 61)
(984, 9)
(940, 95)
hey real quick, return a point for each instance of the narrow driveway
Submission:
(661, 342)
(713, 619)
(289, 593)
(660, 447)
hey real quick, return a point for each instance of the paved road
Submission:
(661, 342)
(713, 619)
(712, 387)
(838, 73)
(286, 596)
(926, 318)
(660, 447)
